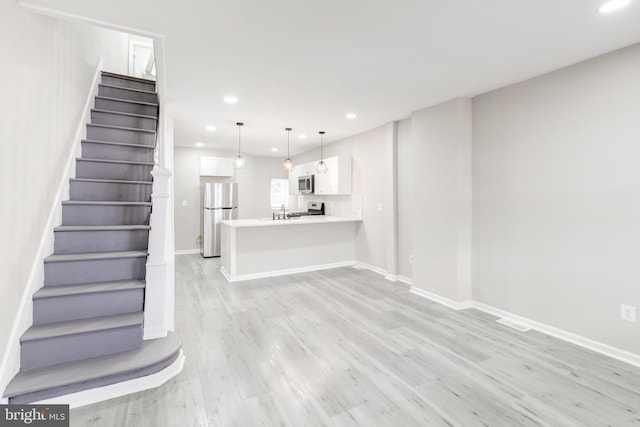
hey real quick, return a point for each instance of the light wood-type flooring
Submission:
(345, 347)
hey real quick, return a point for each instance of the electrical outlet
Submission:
(628, 313)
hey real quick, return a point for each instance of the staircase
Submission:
(88, 317)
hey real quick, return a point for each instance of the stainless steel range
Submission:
(313, 208)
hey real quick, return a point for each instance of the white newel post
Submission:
(158, 283)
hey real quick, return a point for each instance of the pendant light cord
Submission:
(239, 136)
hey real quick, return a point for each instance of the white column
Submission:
(159, 287)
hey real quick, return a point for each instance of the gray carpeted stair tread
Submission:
(88, 288)
(124, 364)
(120, 144)
(122, 162)
(98, 125)
(150, 92)
(111, 181)
(110, 98)
(101, 227)
(92, 256)
(104, 202)
(125, 77)
(73, 327)
(120, 113)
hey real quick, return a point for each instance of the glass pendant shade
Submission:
(321, 167)
(288, 163)
(239, 162)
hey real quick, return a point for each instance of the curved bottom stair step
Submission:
(54, 343)
(58, 380)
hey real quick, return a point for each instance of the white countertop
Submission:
(304, 220)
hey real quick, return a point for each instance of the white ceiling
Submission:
(305, 64)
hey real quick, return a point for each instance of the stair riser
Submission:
(110, 191)
(74, 242)
(92, 150)
(104, 270)
(121, 135)
(84, 306)
(121, 171)
(132, 84)
(126, 107)
(51, 351)
(105, 215)
(102, 118)
(122, 93)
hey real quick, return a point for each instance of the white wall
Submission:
(371, 177)
(254, 190)
(441, 230)
(556, 182)
(47, 69)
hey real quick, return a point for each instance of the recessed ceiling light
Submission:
(274, 150)
(230, 99)
(612, 5)
(199, 144)
(351, 116)
(210, 128)
(302, 136)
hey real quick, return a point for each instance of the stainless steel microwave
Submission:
(305, 184)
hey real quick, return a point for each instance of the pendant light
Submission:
(239, 162)
(321, 166)
(288, 163)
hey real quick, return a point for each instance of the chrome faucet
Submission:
(284, 211)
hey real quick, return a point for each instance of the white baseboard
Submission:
(364, 265)
(405, 279)
(24, 316)
(275, 273)
(124, 388)
(456, 305)
(390, 277)
(523, 322)
(187, 251)
(598, 347)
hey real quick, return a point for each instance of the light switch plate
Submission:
(184, 203)
(628, 313)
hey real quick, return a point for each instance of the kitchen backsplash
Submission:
(348, 206)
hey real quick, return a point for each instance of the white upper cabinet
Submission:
(216, 166)
(293, 182)
(337, 180)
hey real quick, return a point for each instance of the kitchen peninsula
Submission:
(254, 248)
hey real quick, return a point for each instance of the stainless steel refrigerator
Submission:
(218, 202)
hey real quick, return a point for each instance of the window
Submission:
(279, 193)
